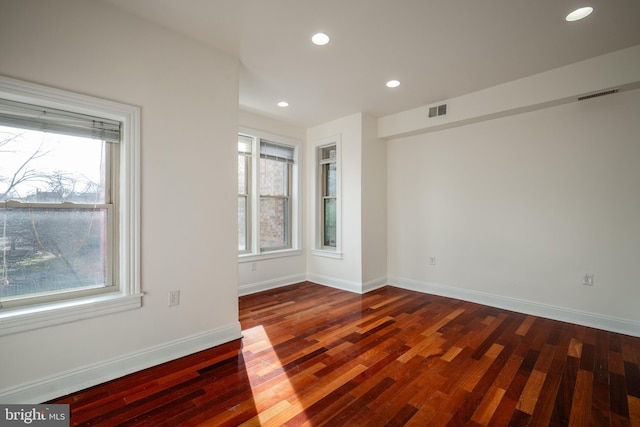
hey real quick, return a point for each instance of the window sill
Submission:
(24, 319)
(268, 255)
(326, 253)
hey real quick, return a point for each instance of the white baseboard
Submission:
(347, 285)
(372, 285)
(88, 376)
(593, 320)
(252, 288)
(332, 282)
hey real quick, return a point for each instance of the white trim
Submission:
(266, 285)
(128, 233)
(249, 257)
(374, 284)
(27, 92)
(23, 319)
(88, 376)
(593, 320)
(345, 285)
(326, 254)
(317, 246)
(129, 242)
(332, 282)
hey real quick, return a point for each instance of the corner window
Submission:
(267, 194)
(68, 179)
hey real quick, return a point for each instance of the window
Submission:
(327, 198)
(68, 203)
(267, 194)
(328, 192)
(244, 202)
(275, 195)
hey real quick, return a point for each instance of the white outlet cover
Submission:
(174, 298)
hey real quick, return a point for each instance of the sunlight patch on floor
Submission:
(275, 403)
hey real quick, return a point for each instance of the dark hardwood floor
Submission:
(313, 355)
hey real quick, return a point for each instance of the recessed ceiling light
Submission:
(320, 39)
(578, 14)
(393, 83)
(283, 104)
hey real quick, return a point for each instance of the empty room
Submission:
(341, 213)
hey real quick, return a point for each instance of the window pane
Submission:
(274, 222)
(330, 179)
(242, 175)
(244, 144)
(327, 153)
(45, 250)
(329, 215)
(43, 167)
(275, 151)
(274, 178)
(242, 224)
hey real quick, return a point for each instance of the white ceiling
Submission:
(438, 49)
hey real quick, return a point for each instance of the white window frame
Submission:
(128, 294)
(254, 199)
(318, 247)
(248, 164)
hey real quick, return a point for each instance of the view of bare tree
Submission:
(23, 173)
(44, 246)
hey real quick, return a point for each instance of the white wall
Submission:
(619, 69)
(188, 94)
(257, 275)
(374, 205)
(516, 209)
(347, 271)
(266, 124)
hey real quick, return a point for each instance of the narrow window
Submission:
(244, 195)
(328, 192)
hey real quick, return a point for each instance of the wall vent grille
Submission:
(595, 95)
(438, 110)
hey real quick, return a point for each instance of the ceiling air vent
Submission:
(595, 95)
(438, 110)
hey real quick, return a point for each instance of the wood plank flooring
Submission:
(314, 356)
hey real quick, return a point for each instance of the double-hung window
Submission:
(68, 231)
(328, 192)
(244, 201)
(327, 198)
(276, 162)
(267, 194)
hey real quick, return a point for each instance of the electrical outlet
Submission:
(254, 266)
(174, 298)
(432, 260)
(587, 279)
